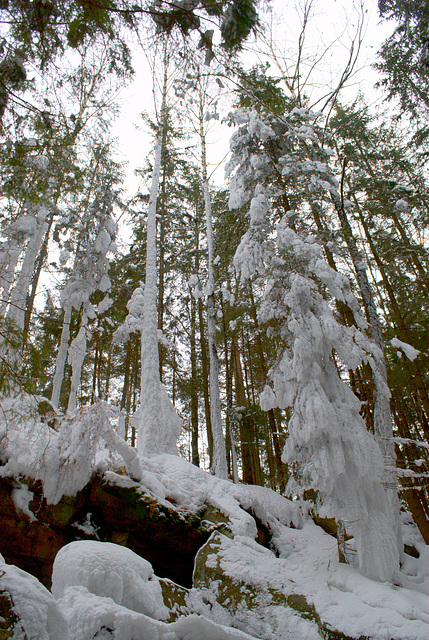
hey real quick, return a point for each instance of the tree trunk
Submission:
(205, 374)
(219, 451)
(382, 418)
(252, 473)
(271, 417)
(61, 356)
(194, 390)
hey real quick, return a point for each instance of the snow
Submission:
(35, 606)
(110, 571)
(344, 599)
(104, 305)
(408, 350)
(258, 208)
(104, 284)
(102, 242)
(23, 225)
(64, 257)
(65, 459)
(22, 496)
(99, 586)
(89, 614)
(41, 162)
(402, 206)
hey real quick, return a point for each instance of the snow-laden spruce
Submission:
(327, 436)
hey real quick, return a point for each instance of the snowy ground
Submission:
(104, 591)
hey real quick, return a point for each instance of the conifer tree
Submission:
(265, 165)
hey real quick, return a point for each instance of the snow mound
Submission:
(39, 614)
(109, 571)
(90, 615)
(284, 510)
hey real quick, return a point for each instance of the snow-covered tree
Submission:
(282, 157)
(157, 420)
(95, 240)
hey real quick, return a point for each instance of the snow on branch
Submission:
(64, 458)
(407, 349)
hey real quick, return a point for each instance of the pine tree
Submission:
(404, 60)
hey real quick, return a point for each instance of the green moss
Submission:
(144, 506)
(175, 599)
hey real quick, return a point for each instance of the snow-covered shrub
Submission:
(63, 458)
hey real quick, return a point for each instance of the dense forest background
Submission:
(315, 251)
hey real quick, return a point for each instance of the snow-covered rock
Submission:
(110, 571)
(36, 615)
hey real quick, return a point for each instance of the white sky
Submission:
(332, 28)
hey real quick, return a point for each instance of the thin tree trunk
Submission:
(161, 286)
(61, 356)
(247, 461)
(382, 418)
(205, 374)
(219, 451)
(229, 441)
(194, 390)
(95, 371)
(108, 373)
(126, 389)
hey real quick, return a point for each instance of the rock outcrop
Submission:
(227, 561)
(111, 508)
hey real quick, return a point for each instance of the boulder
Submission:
(267, 611)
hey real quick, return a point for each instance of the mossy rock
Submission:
(213, 514)
(239, 597)
(175, 599)
(10, 625)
